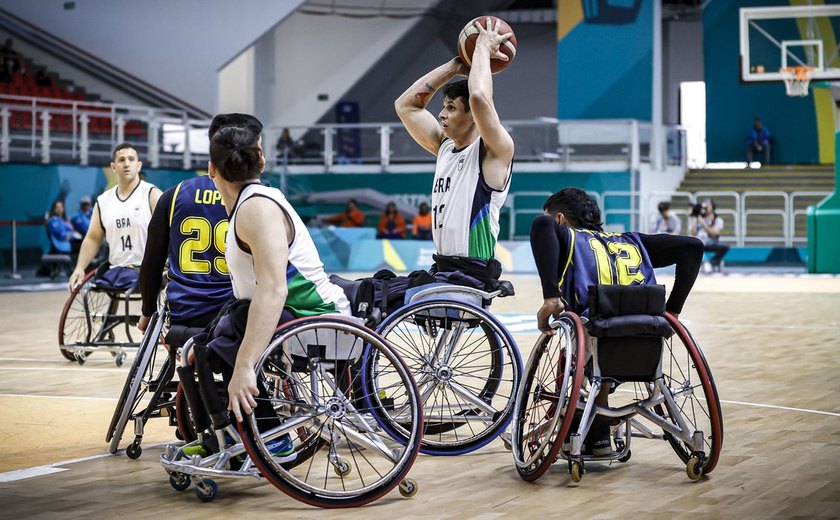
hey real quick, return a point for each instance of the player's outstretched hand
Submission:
(488, 35)
(241, 392)
(551, 308)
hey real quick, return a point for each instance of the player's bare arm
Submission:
(154, 197)
(497, 141)
(421, 124)
(271, 254)
(88, 249)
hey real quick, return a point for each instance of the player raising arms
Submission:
(474, 153)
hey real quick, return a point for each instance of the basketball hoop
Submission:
(797, 80)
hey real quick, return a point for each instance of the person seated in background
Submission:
(706, 225)
(59, 230)
(665, 221)
(11, 58)
(391, 224)
(758, 141)
(81, 220)
(350, 217)
(285, 145)
(42, 80)
(421, 227)
(5, 75)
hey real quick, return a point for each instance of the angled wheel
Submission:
(323, 404)
(547, 398)
(75, 324)
(467, 368)
(686, 375)
(140, 377)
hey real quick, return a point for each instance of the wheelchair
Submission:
(149, 375)
(322, 400)
(630, 340)
(466, 364)
(97, 318)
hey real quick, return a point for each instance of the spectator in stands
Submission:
(10, 57)
(81, 220)
(285, 145)
(665, 221)
(350, 217)
(391, 224)
(758, 141)
(60, 230)
(707, 225)
(5, 75)
(421, 228)
(42, 80)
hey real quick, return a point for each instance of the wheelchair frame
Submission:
(687, 441)
(98, 324)
(452, 306)
(297, 395)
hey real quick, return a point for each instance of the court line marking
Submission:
(35, 360)
(83, 398)
(49, 469)
(806, 410)
(66, 369)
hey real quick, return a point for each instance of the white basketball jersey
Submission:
(310, 291)
(126, 223)
(465, 210)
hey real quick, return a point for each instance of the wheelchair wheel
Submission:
(688, 377)
(184, 422)
(343, 459)
(140, 378)
(75, 324)
(547, 397)
(467, 369)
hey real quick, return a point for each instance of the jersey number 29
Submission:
(200, 237)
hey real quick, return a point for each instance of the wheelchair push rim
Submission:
(356, 462)
(550, 390)
(467, 368)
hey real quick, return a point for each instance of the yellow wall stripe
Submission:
(389, 254)
(569, 15)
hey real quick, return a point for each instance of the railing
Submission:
(79, 132)
(736, 209)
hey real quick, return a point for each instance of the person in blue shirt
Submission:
(59, 230)
(81, 220)
(758, 141)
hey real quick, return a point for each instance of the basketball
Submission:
(469, 35)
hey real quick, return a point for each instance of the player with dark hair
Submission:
(189, 227)
(572, 253)
(474, 152)
(272, 262)
(121, 216)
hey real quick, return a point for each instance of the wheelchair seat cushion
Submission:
(117, 279)
(607, 301)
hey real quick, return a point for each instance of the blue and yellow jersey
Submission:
(600, 258)
(199, 282)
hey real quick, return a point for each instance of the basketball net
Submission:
(797, 80)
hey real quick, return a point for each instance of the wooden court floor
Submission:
(772, 343)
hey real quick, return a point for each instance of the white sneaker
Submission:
(707, 267)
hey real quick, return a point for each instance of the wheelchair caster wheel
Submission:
(207, 491)
(134, 450)
(694, 468)
(179, 481)
(119, 358)
(506, 441)
(408, 487)
(576, 470)
(626, 457)
(342, 468)
(81, 358)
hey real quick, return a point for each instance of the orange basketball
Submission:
(469, 35)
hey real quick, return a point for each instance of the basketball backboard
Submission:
(776, 38)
